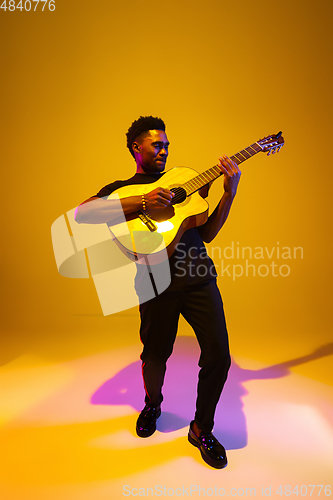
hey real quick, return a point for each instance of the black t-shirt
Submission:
(190, 264)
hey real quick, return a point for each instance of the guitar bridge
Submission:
(147, 221)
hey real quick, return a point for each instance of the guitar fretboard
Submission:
(213, 173)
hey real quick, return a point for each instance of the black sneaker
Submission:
(146, 423)
(211, 450)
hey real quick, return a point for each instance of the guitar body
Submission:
(134, 237)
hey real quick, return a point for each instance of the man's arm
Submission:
(215, 221)
(97, 210)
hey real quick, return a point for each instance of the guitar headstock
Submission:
(271, 143)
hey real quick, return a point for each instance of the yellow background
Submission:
(222, 75)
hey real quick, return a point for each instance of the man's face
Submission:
(151, 152)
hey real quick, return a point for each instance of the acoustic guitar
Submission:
(151, 235)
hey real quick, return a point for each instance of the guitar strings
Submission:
(180, 195)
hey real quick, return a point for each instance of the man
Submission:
(194, 295)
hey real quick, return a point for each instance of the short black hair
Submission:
(142, 125)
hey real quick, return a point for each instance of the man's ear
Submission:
(136, 147)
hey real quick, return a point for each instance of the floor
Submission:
(68, 428)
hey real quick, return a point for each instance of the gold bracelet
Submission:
(143, 203)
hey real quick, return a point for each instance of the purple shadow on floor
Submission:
(179, 391)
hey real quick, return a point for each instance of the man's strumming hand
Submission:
(158, 199)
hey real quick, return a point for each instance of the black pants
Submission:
(203, 309)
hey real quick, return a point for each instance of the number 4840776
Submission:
(28, 5)
(305, 490)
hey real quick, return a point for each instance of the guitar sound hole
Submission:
(180, 195)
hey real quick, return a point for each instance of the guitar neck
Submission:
(213, 173)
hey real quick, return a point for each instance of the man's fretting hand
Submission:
(231, 174)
